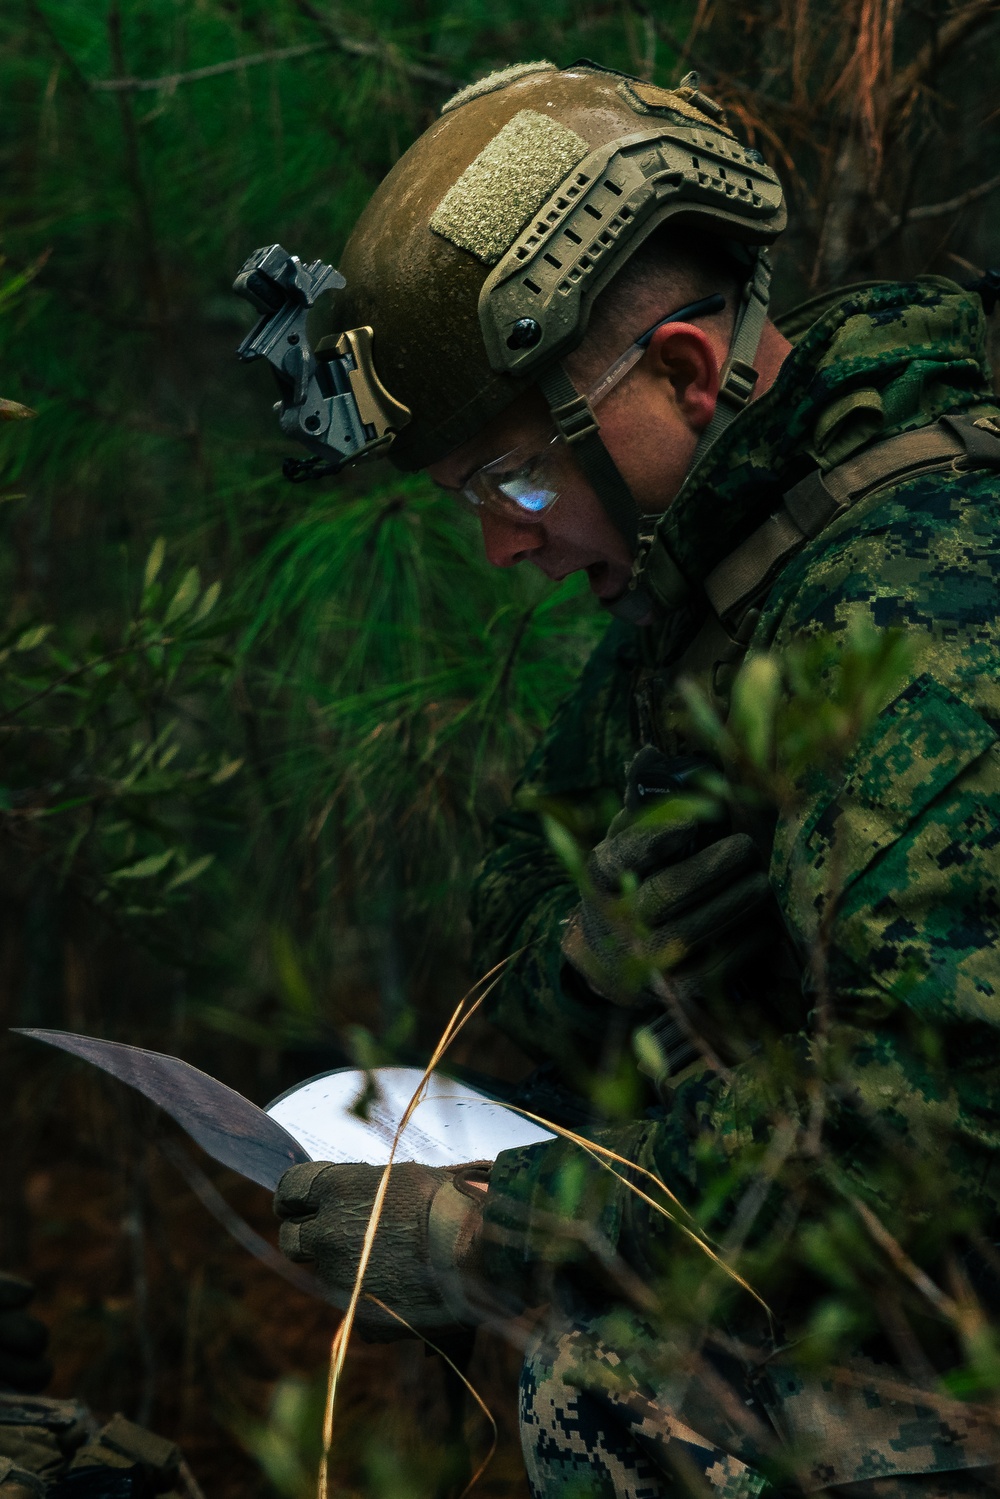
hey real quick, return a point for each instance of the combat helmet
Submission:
(473, 269)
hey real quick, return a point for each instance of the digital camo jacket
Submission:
(914, 817)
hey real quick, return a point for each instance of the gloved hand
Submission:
(427, 1247)
(23, 1339)
(680, 898)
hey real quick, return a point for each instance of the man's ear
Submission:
(686, 359)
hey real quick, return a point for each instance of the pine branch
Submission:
(336, 41)
(170, 81)
(41, 20)
(739, 87)
(952, 205)
(156, 280)
(384, 51)
(923, 211)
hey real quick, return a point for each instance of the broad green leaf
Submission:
(190, 872)
(145, 868)
(565, 846)
(295, 987)
(209, 600)
(32, 638)
(154, 562)
(364, 1050)
(707, 724)
(756, 694)
(185, 596)
(63, 806)
(226, 771)
(648, 1052)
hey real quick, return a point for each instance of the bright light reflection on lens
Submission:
(527, 495)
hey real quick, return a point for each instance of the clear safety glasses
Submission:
(524, 483)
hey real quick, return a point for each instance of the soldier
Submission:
(557, 303)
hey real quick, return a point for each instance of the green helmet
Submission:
(477, 260)
(473, 269)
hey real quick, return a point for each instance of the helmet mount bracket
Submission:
(332, 400)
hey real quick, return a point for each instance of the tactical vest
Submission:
(735, 590)
(737, 587)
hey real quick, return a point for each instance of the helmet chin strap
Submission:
(738, 378)
(575, 421)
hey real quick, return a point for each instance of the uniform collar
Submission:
(868, 362)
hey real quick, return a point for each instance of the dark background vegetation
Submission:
(239, 823)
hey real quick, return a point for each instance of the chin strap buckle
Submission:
(575, 419)
(739, 384)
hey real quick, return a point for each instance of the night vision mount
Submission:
(332, 401)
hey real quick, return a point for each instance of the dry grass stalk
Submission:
(608, 1158)
(477, 1475)
(603, 1155)
(338, 1350)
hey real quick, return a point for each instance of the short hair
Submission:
(677, 264)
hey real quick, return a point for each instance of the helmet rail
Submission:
(572, 247)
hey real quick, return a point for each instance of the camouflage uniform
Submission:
(915, 821)
(599, 1422)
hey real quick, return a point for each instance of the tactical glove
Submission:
(427, 1247)
(23, 1339)
(681, 898)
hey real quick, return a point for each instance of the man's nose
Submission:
(509, 541)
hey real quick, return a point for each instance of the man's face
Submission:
(650, 425)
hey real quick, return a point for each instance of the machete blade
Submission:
(226, 1125)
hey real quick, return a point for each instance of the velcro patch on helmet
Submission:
(684, 106)
(493, 81)
(510, 179)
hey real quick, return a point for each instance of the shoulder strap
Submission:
(954, 442)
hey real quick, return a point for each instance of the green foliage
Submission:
(107, 781)
(307, 779)
(803, 710)
(287, 1443)
(844, 1212)
(388, 685)
(405, 680)
(149, 201)
(107, 777)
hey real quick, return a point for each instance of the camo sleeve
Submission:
(522, 892)
(902, 849)
(893, 863)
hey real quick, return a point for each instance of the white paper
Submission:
(451, 1124)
